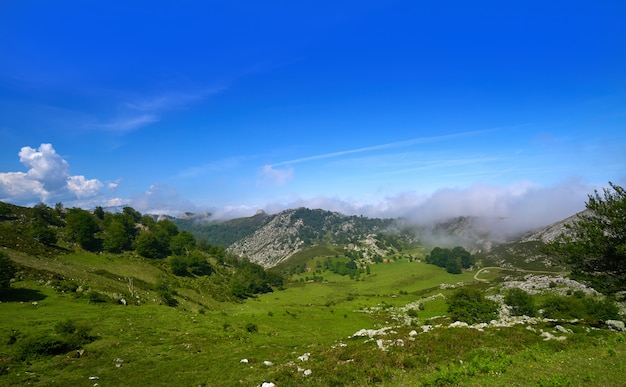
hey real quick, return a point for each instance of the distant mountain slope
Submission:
(551, 231)
(272, 239)
(222, 233)
(287, 232)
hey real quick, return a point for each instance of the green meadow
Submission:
(302, 335)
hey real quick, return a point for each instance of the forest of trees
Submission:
(129, 232)
(453, 260)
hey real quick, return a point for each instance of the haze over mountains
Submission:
(272, 239)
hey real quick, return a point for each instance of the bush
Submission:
(411, 313)
(521, 303)
(67, 337)
(96, 298)
(252, 327)
(7, 271)
(470, 306)
(166, 293)
(576, 307)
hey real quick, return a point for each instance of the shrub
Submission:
(7, 271)
(560, 307)
(521, 303)
(470, 306)
(68, 337)
(252, 327)
(166, 293)
(577, 307)
(95, 297)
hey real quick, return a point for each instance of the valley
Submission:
(389, 324)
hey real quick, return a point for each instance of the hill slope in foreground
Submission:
(392, 327)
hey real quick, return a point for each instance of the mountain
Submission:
(551, 231)
(288, 232)
(271, 240)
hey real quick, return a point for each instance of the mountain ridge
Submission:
(273, 239)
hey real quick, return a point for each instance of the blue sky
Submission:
(381, 108)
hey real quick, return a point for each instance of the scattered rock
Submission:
(560, 328)
(268, 363)
(304, 357)
(371, 332)
(615, 325)
(426, 328)
(549, 336)
(243, 361)
(307, 372)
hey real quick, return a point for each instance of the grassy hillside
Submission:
(202, 341)
(73, 317)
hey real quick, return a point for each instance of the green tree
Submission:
(467, 259)
(149, 245)
(182, 243)
(99, 212)
(178, 265)
(7, 271)
(116, 238)
(81, 227)
(132, 213)
(42, 233)
(5, 210)
(469, 305)
(521, 303)
(166, 293)
(167, 227)
(595, 244)
(453, 260)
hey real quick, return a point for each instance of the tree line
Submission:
(129, 231)
(453, 260)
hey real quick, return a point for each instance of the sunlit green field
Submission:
(202, 342)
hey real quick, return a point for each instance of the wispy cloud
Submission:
(138, 112)
(225, 164)
(127, 124)
(398, 144)
(275, 176)
(171, 100)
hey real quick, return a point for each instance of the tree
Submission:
(149, 245)
(7, 271)
(82, 227)
(521, 303)
(469, 305)
(595, 244)
(182, 243)
(116, 239)
(42, 233)
(453, 260)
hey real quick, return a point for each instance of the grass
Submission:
(202, 341)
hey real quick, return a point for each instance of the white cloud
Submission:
(46, 166)
(504, 210)
(270, 175)
(47, 179)
(161, 199)
(82, 187)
